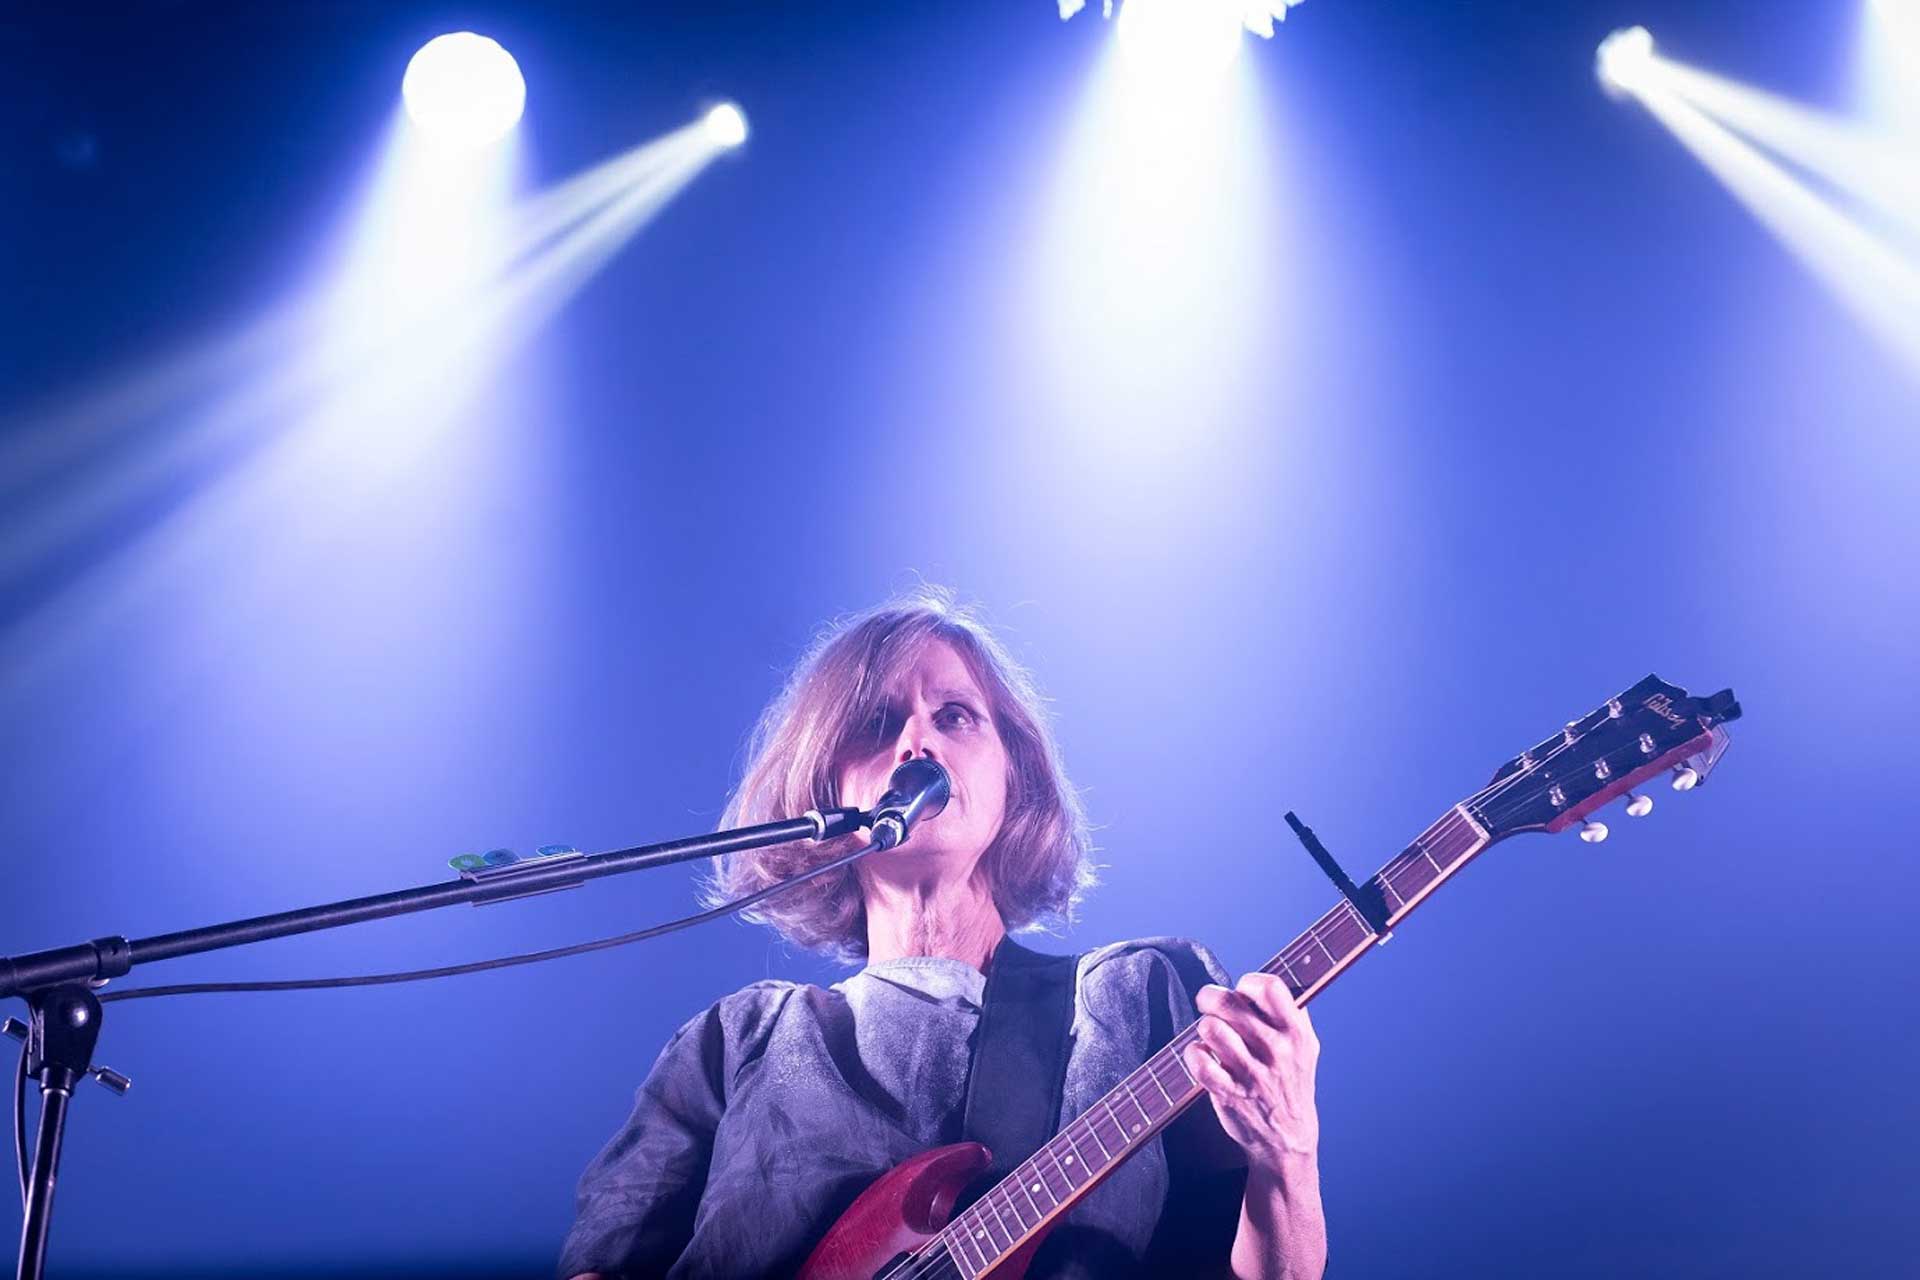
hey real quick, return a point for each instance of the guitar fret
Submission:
(1077, 1156)
(1105, 1154)
(1011, 1236)
(1038, 1212)
(1305, 957)
(1056, 1181)
(1349, 914)
(1186, 1082)
(1396, 869)
(1039, 1174)
(1079, 1149)
(1066, 1167)
(986, 1252)
(1035, 1185)
(1454, 834)
(1011, 1208)
(1156, 1084)
(968, 1238)
(1315, 931)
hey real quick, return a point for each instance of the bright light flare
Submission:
(464, 89)
(1625, 61)
(1890, 65)
(1868, 164)
(1181, 38)
(1148, 298)
(1826, 229)
(1880, 286)
(437, 281)
(725, 125)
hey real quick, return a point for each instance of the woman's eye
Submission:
(956, 715)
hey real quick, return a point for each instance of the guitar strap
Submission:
(1019, 1054)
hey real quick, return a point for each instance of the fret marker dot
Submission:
(980, 1235)
(1069, 1160)
(1036, 1186)
(1136, 1128)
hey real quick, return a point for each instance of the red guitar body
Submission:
(903, 1209)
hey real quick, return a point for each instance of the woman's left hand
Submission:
(1256, 1057)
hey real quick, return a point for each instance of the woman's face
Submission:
(939, 710)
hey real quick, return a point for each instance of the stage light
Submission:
(725, 125)
(1181, 37)
(1257, 16)
(464, 89)
(1624, 62)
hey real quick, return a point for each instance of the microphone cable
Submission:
(498, 962)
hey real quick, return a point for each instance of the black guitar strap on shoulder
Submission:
(1019, 1054)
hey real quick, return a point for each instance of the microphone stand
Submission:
(64, 1014)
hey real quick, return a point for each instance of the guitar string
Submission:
(1494, 791)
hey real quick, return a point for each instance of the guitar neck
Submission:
(1093, 1144)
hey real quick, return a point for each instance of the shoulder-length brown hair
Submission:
(1039, 863)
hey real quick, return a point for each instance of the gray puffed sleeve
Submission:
(636, 1200)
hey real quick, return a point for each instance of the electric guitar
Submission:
(903, 1226)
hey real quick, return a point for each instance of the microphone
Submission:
(918, 789)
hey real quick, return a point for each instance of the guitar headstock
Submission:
(1652, 728)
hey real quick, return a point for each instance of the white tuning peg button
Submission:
(1685, 779)
(1639, 806)
(1593, 832)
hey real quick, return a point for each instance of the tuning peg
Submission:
(1639, 806)
(1593, 832)
(1685, 778)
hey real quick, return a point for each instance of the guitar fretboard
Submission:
(1091, 1145)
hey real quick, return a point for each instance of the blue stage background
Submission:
(1528, 407)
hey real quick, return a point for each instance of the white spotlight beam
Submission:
(1876, 282)
(556, 243)
(38, 441)
(1879, 169)
(1890, 63)
(533, 288)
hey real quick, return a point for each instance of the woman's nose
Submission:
(916, 739)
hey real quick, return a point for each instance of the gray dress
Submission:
(768, 1113)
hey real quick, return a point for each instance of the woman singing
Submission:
(769, 1112)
